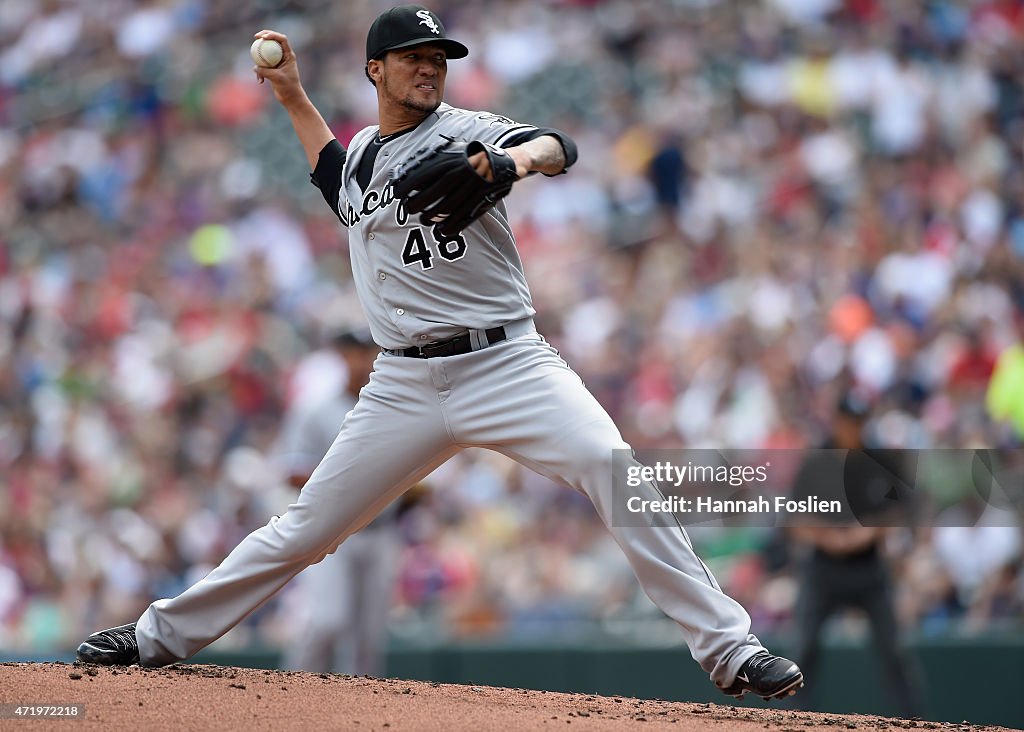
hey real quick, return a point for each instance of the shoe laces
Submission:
(122, 640)
(760, 662)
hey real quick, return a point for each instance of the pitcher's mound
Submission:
(199, 697)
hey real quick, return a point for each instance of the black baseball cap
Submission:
(409, 25)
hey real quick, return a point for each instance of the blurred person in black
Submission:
(843, 563)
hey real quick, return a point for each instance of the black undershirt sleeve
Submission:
(568, 145)
(327, 174)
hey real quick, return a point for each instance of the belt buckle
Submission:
(433, 349)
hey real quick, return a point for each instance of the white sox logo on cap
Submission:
(403, 27)
(428, 20)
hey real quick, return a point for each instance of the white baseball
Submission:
(266, 53)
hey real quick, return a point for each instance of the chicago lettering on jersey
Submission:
(374, 201)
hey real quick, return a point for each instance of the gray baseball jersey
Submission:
(414, 288)
(309, 431)
(307, 435)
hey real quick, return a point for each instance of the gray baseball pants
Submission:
(517, 397)
(342, 623)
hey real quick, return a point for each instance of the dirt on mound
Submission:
(199, 697)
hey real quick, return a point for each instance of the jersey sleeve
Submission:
(504, 132)
(489, 127)
(328, 174)
(518, 137)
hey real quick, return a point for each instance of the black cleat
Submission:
(768, 676)
(111, 647)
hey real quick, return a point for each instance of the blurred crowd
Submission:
(778, 203)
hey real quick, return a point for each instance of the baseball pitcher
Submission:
(462, 365)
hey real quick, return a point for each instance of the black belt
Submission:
(452, 347)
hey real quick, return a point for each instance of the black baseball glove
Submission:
(440, 183)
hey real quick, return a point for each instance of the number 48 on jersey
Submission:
(416, 248)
